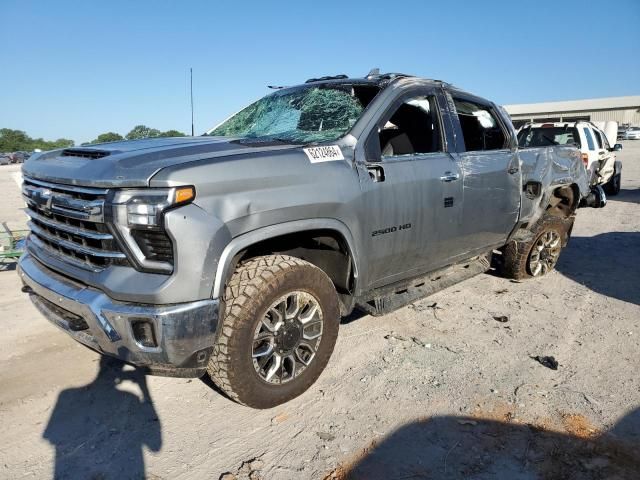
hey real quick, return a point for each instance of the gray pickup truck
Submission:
(236, 253)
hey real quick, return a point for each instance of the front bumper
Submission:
(184, 333)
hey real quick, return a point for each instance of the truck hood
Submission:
(132, 163)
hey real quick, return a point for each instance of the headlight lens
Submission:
(138, 213)
(144, 207)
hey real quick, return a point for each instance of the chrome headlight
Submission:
(138, 218)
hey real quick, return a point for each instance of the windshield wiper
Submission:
(283, 140)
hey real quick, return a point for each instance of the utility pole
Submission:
(192, 129)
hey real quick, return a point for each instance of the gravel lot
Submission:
(439, 389)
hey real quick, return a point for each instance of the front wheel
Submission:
(539, 256)
(279, 328)
(612, 187)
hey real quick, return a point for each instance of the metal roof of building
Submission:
(575, 105)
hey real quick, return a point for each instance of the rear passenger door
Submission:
(491, 169)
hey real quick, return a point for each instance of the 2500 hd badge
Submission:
(382, 231)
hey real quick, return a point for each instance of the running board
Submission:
(387, 299)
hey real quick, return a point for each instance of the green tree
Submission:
(142, 131)
(13, 140)
(172, 133)
(17, 140)
(107, 137)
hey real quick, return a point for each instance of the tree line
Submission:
(18, 140)
(138, 132)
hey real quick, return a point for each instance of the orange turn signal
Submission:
(185, 194)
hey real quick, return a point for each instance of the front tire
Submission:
(279, 328)
(537, 257)
(612, 187)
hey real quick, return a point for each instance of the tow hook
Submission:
(595, 199)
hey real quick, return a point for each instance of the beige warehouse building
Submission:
(624, 110)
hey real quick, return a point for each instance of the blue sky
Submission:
(77, 69)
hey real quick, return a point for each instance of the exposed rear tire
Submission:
(612, 187)
(537, 257)
(278, 331)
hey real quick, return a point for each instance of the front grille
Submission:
(69, 222)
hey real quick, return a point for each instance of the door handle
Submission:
(450, 177)
(513, 170)
(376, 172)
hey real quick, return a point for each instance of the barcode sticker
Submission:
(329, 153)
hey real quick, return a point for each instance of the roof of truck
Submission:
(373, 78)
(382, 80)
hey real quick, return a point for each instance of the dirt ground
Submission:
(439, 389)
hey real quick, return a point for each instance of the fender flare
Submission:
(245, 240)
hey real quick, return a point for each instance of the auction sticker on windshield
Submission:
(328, 153)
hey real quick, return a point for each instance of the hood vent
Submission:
(88, 153)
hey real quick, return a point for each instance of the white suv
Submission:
(598, 156)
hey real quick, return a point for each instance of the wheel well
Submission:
(326, 249)
(564, 201)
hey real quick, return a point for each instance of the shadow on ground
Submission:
(471, 448)
(99, 430)
(626, 195)
(608, 263)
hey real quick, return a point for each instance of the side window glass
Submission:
(411, 129)
(480, 127)
(587, 133)
(596, 133)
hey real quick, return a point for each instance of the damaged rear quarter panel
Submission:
(551, 167)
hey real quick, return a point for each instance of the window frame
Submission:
(507, 145)
(372, 145)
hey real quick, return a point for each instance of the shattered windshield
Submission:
(300, 115)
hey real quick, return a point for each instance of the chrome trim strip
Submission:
(69, 188)
(64, 203)
(72, 245)
(81, 232)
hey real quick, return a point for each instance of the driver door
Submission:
(412, 189)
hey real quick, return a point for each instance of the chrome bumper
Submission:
(184, 333)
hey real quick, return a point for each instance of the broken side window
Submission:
(480, 127)
(412, 128)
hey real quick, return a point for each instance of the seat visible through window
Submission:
(411, 129)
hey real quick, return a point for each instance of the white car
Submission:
(598, 156)
(632, 133)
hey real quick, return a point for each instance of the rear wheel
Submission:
(612, 187)
(278, 332)
(538, 256)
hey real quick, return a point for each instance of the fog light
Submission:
(144, 333)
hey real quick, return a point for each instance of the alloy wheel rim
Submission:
(287, 337)
(544, 254)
